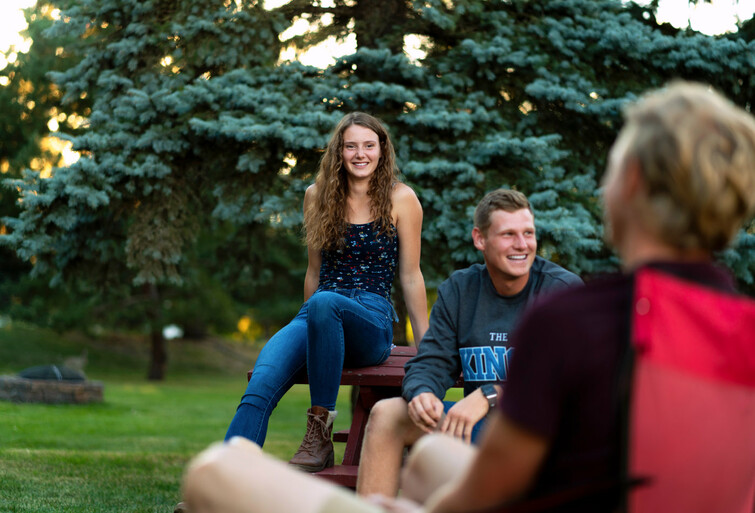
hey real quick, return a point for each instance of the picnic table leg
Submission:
(366, 399)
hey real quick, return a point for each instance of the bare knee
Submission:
(220, 472)
(389, 418)
(434, 461)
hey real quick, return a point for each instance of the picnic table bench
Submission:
(375, 383)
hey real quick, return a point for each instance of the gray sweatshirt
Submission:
(470, 329)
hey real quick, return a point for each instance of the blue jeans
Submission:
(333, 329)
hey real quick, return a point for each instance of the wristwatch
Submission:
(491, 394)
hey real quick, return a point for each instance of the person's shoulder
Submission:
(463, 278)
(310, 197)
(575, 302)
(401, 193)
(474, 271)
(554, 273)
(405, 201)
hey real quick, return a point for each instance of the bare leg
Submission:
(434, 461)
(237, 477)
(389, 430)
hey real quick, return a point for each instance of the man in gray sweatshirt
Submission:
(470, 333)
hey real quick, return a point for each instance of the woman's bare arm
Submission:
(314, 257)
(408, 219)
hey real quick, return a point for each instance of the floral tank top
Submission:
(367, 262)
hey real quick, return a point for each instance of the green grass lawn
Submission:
(128, 453)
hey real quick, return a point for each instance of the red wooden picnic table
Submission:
(375, 383)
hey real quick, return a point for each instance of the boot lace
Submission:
(312, 437)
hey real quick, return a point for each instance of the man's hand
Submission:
(426, 410)
(463, 415)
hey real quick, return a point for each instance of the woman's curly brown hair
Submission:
(325, 216)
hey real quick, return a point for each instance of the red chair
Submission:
(691, 431)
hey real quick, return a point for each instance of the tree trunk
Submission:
(158, 353)
(159, 356)
(375, 24)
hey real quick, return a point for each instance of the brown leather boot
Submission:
(316, 450)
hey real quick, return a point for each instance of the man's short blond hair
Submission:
(696, 151)
(507, 200)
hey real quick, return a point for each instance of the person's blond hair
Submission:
(696, 151)
(507, 200)
(325, 217)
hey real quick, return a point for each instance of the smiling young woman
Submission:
(354, 216)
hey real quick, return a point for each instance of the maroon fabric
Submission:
(693, 398)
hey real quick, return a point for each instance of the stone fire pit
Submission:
(50, 384)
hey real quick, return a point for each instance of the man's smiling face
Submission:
(509, 245)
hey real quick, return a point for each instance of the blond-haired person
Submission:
(361, 223)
